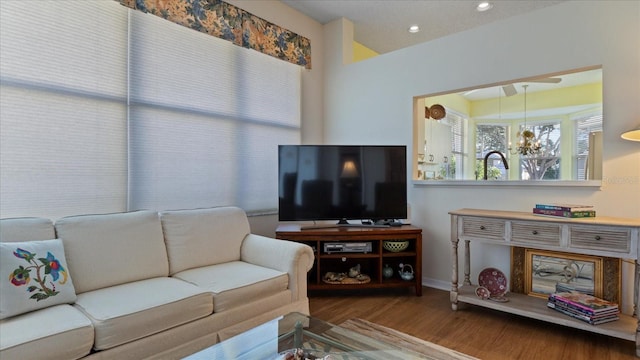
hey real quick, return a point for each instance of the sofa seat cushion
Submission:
(128, 312)
(57, 332)
(236, 283)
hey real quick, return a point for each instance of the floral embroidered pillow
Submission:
(33, 275)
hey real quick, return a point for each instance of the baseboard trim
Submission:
(436, 284)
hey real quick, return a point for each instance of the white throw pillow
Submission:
(33, 275)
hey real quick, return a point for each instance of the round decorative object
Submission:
(395, 245)
(483, 293)
(437, 111)
(494, 280)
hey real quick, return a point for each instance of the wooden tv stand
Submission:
(371, 263)
(597, 236)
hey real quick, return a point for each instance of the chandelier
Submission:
(527, 144)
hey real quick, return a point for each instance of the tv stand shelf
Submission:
(371, 263)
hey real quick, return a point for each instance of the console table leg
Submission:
(636, 290)
(453, 295)
(467, 262)
(638, 341)
(454, 276)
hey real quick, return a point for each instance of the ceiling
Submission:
(382, 26)
(564, 80)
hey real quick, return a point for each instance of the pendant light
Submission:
(526, 144)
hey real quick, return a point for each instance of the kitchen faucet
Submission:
(486, 157)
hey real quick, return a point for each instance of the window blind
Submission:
(63, 137)
(584, 125)
(105, 109)
(205, 119)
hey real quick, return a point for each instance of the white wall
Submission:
(371, 102)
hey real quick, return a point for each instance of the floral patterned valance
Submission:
(223, 20)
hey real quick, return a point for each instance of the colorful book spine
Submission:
(588, 303)
(602, 321)
(564, 207)
(592, 321)
(578, 311)
(565, 311)
(564, 213)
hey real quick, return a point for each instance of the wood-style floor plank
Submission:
(477, 331)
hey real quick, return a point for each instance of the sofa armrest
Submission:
(296, 259)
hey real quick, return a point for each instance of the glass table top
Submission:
(304, 336)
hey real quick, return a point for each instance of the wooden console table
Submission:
(371, 262)
(598, 236)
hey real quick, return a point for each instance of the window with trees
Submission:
(489, 138)
(544, 165)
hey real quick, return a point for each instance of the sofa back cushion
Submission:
(25, 229)
(113, 249)
(202, 237)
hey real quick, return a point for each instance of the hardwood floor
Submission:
(480, 332)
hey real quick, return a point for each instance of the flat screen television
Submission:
(342, 182)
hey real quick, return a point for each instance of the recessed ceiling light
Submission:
(414, 29)
(484, 6)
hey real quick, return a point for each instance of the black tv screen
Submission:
(342, 182)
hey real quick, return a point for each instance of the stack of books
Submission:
(584, 307)
(565, 210)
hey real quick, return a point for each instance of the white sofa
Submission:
(155, 285)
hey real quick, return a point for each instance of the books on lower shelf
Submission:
(586, 318)
(566, 214)
(588, 308)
